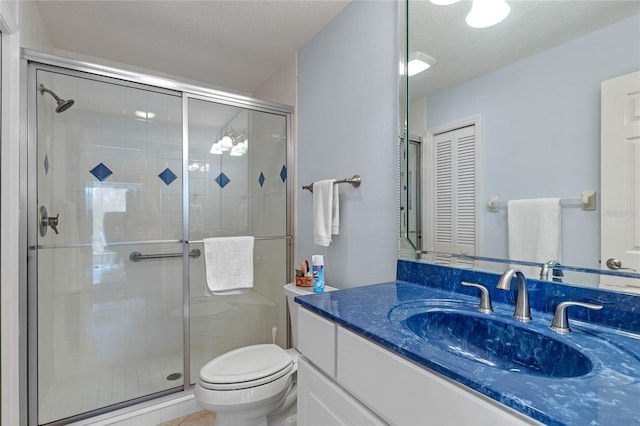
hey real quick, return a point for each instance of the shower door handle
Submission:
(47, 221)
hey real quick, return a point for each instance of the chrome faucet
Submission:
(522, 312)
(554, 266)
(544, 271)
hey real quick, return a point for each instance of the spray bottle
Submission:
(317, 266)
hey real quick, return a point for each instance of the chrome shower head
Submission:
(62, 104)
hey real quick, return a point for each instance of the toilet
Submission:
(254, 385)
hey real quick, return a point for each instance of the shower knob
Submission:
(46, 221)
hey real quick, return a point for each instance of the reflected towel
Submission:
(535, 232)
(326, 216)
(229, 264)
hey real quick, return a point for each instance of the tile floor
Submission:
(83, 393)
(200, 418)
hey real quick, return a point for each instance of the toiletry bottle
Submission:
(317, 266)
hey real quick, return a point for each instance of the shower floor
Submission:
(75, 395)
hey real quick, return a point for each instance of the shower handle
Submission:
(47, 221)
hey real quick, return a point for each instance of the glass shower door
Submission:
(109, 244)
(237, 187)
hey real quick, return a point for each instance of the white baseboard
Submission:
(148, 413)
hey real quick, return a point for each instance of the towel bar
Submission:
(280, 237)
(136, 256)
(354, 181)
(587, 202)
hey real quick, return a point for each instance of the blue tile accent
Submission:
(101, 172)
(46, 164)
(222, 180)
(283, 173)
(167, 176)
(261, 179)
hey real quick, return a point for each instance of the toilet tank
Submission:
(291, 290)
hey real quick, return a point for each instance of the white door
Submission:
(620, 180)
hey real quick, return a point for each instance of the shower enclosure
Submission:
(123, 184)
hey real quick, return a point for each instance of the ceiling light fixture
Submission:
(236, 151)
(215, 149)
(419, 62)
(485, 13)
(225, 143)
(237, 144)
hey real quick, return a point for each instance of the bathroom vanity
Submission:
(367, 359)
(342, 374)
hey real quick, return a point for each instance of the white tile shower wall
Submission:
(103, 127)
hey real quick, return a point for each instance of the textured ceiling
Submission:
(462, 52)
(230, 44)
(238, 44)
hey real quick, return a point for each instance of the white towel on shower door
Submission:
(229, 264)
(535, 232)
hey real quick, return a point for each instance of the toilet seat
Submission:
(246, 367)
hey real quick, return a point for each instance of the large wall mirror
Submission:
(521, 142)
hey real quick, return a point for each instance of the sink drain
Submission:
(174, 376)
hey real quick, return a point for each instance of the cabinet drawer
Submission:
(321, 402)
(317, 340)
(405, 394)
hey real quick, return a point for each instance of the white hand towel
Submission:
(229, 264)
(323, 200)
(335, 211)
(535, 232)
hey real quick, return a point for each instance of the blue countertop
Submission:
(608, 395)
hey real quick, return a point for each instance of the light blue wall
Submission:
(541, 131)
(347, 119)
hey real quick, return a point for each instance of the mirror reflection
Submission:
(524, 139)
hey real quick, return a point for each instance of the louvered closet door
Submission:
(455, 204)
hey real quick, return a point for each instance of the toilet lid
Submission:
(249, 366)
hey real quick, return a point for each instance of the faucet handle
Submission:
(485, 299)
(560, 322)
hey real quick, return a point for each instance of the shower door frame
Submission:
(31, 62)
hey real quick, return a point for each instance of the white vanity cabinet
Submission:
(344, 379)
(321, 402)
